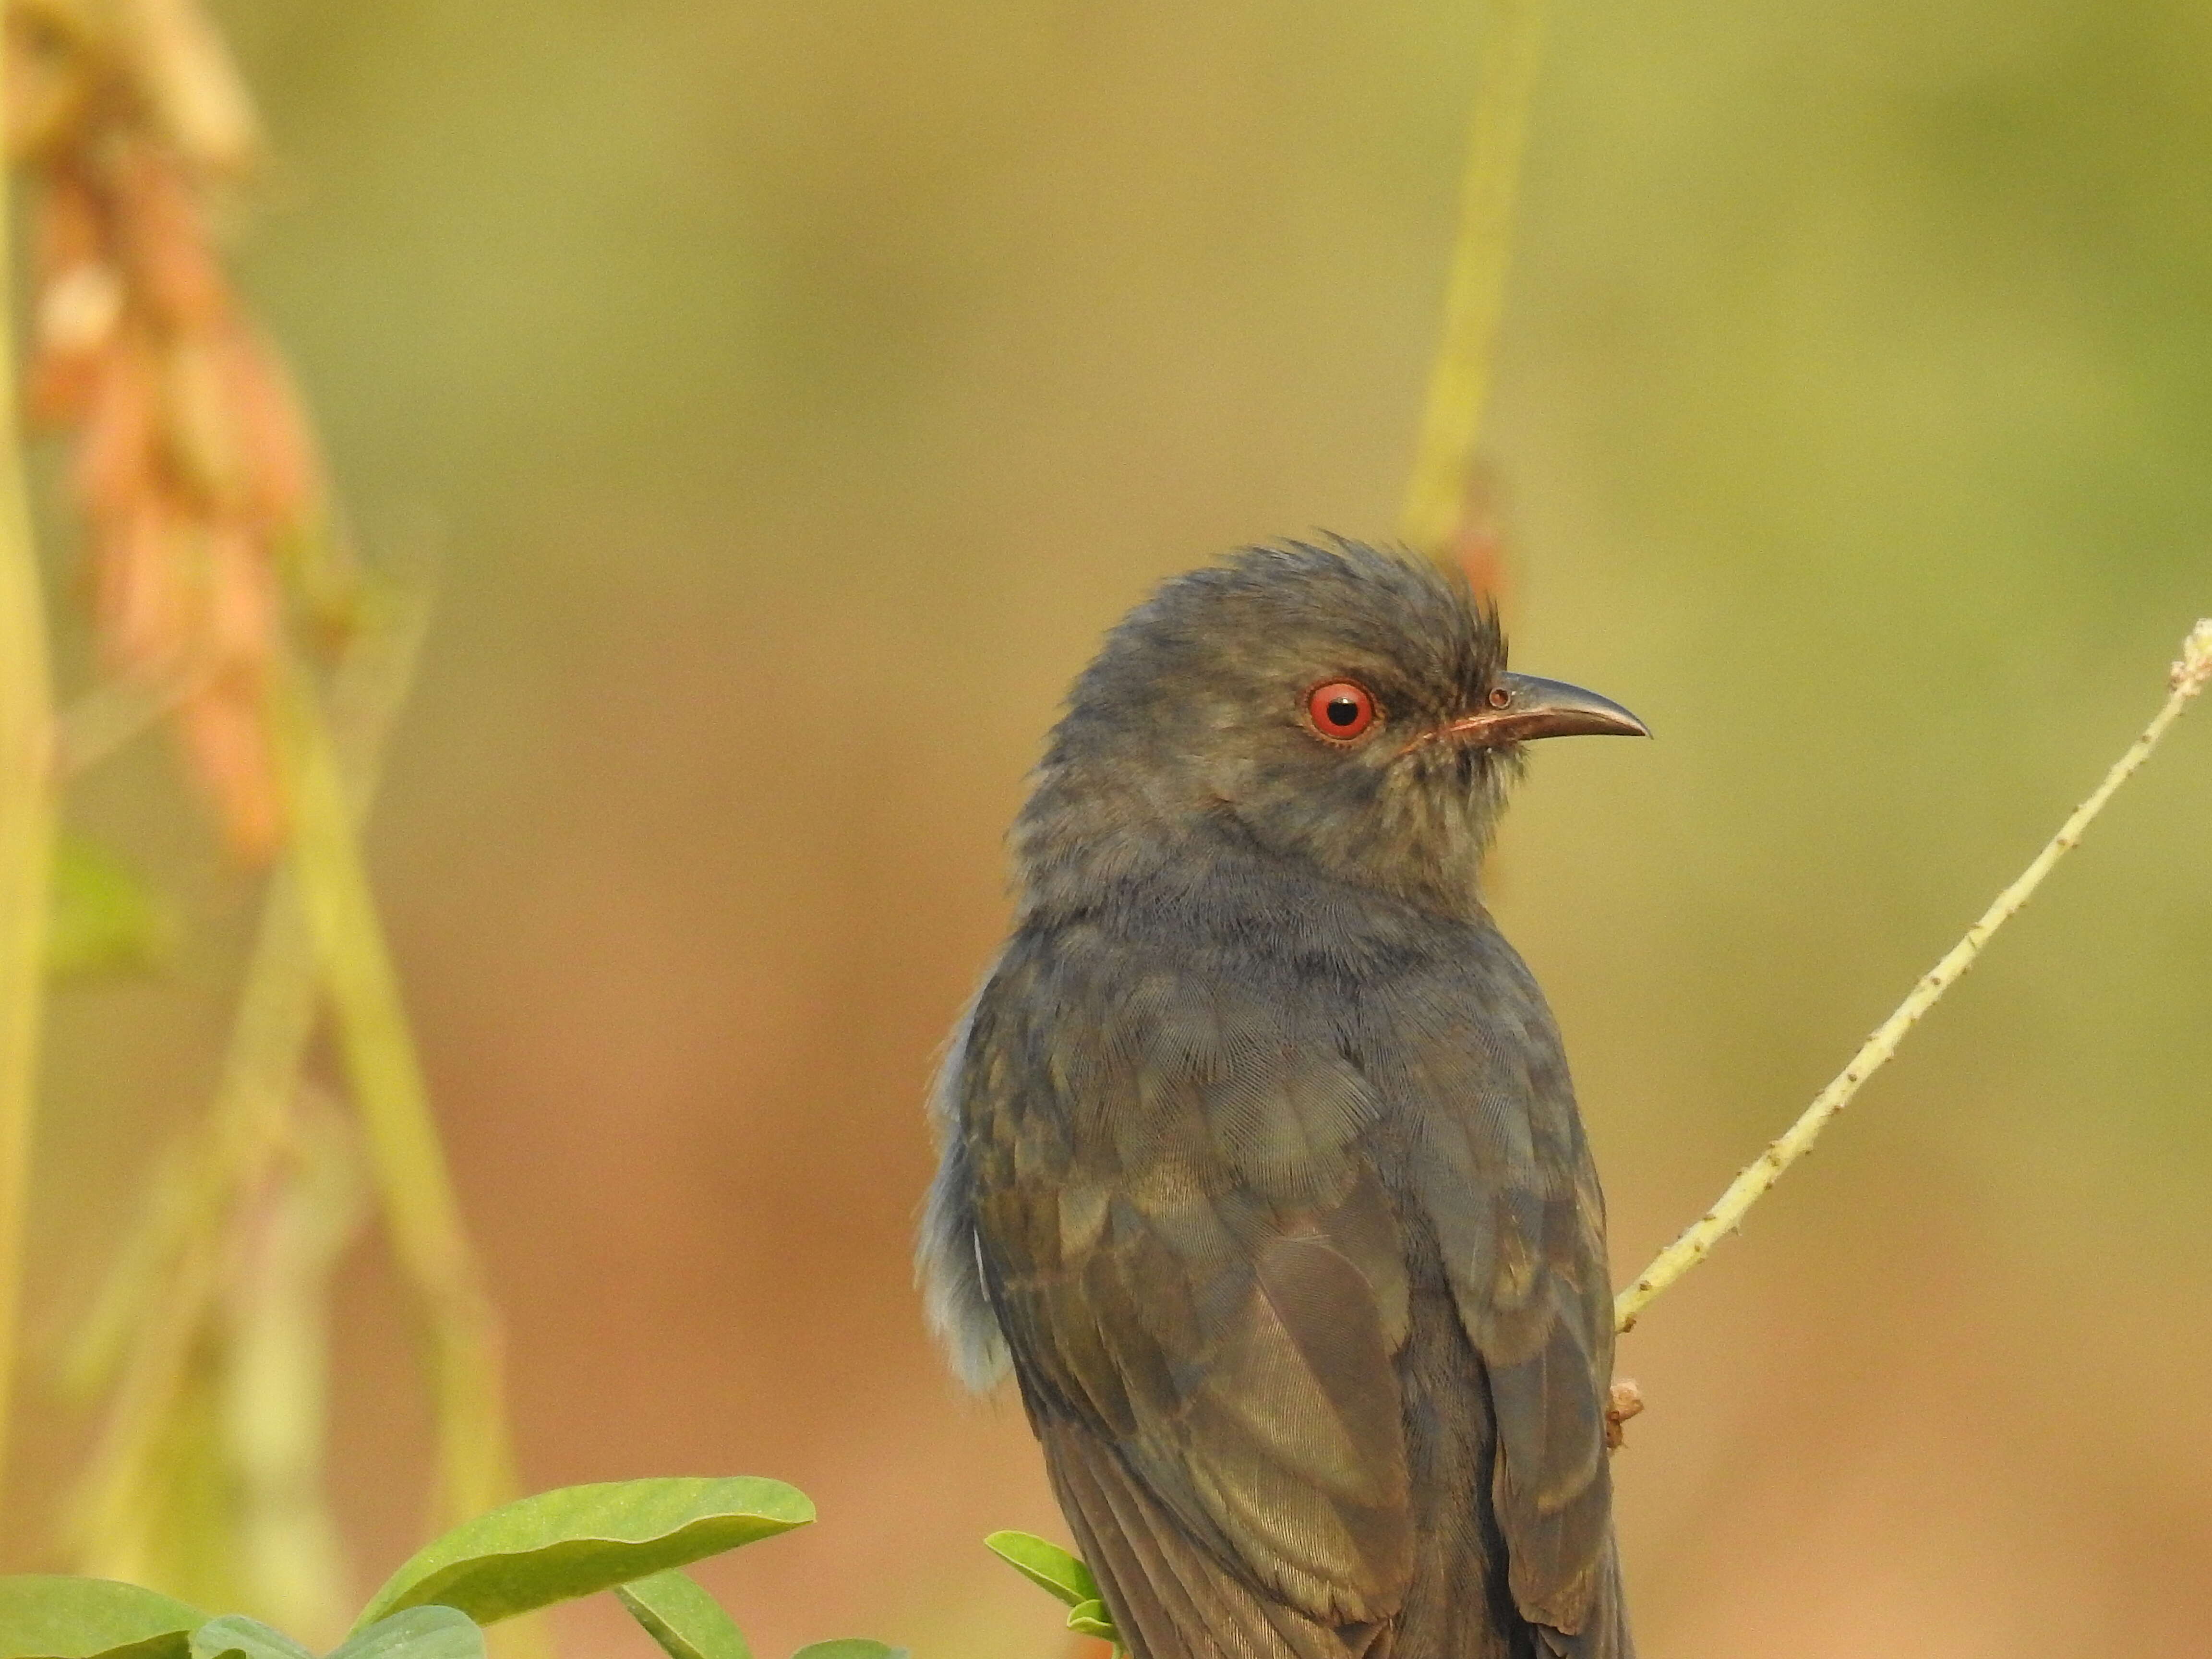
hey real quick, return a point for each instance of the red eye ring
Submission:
(1340, 710)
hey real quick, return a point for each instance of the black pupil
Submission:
(1342, 711)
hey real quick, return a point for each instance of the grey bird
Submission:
(1260, 1166)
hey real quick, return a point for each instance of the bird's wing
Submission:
(1201, 1286)
(1505, 1178)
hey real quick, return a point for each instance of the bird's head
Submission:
(1337, 705)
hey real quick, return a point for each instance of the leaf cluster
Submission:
(1065, 1577)
(633, 1537)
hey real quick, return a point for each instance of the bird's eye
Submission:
(1341, 709)
(1500, 697)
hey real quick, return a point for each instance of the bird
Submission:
(1260, 1165)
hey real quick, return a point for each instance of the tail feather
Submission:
(1147, 1596)
(1175, 1598)
(1169, 1597)
(1604, 1633)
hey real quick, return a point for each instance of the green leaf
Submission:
(1050, 1568)
(687, 1622)
(234, 1633)
(1092, 1619)
(45, 1616)
(849, 1647)
(426, 1633)
(104, 918)
(580, 1540)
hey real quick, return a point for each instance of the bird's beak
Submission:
(1541, 709)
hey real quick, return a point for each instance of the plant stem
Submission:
(115, 1510)
(2189, 677)
(26, 832)
(275, 1379)
(1458, 384)
(249, 1120)
(162, 1296)
(415, 1189)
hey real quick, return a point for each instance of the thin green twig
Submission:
(276, 1381)
(2190, 677)
(161, 1298)
(115, 1512)
(1460, 381)
(415, 1189)
(25, 834)
(108, 718)
(247, 1122)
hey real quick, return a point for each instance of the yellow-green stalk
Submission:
(385, 1079)
(26, 832)
(1459, 383)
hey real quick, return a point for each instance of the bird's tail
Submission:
(1171, 1597)
(1604, 1634)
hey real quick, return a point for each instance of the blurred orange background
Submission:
(794, 391)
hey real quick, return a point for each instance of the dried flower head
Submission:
(192, 460)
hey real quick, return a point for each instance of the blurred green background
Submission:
(797, 390)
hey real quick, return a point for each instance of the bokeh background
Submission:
(796, 389)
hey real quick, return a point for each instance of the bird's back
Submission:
(1277, 1198)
